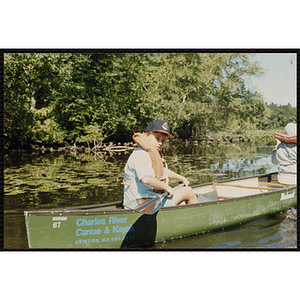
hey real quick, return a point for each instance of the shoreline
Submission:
(221, 138)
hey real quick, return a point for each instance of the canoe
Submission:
(110, 226)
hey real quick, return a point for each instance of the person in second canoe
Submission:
(285, 154)
(146, 177)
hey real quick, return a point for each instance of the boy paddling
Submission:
(143, 176)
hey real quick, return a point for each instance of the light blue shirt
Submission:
(138, 166)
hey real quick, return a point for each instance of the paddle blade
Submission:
(208, 197)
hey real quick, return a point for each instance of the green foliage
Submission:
(279, 116)
(62, 97)
(91, 133)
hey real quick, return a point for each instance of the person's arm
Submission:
(175, 176)
(277, 142)
(274, 158)
(157, 184)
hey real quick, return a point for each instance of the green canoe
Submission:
(222, 204)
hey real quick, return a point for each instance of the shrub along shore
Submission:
(112, 147)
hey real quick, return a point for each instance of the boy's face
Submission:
(157, 139)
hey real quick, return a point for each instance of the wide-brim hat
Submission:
(291, 129)
(159, 126)
(290, 135)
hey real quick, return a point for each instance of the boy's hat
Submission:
(159, 126)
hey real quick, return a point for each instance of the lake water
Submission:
(40, 181)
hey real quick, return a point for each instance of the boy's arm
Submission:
(156, 183)
(175, 176)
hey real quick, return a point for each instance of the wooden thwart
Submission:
(273, 183)
(244, 187)
(288, 185)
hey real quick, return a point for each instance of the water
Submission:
(56, 180)
(268, 232)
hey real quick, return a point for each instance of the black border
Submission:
(130, 50)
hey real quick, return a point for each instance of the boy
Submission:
(141, 184)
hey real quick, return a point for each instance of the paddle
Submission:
(151, 206)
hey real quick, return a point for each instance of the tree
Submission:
(196, 92)
(24, 86)
(280, 116)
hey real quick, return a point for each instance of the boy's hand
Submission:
(170, 192)
(185, 181)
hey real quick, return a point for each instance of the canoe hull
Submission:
(214, 216)
(119, 228)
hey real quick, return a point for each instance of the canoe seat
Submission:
(207, 197)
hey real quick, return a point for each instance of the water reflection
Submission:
(267, 232)
(59, 172)
(63, 180)
(213, 163)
